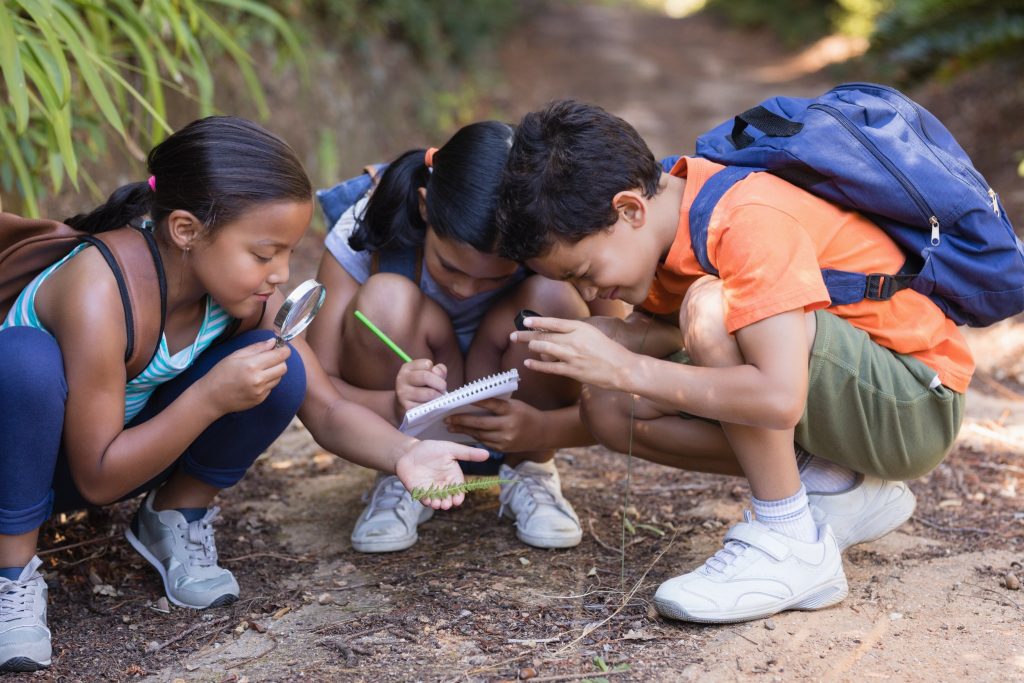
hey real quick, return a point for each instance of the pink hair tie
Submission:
(428, 158)
(152, 183)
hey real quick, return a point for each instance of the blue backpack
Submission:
(870, 148)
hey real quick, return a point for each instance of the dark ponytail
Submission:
(216, 168)
(124, 205)
(392, 217)
(462, 191)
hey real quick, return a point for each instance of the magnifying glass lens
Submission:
(298, 310)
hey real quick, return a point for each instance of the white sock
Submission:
(790, 516)
(822, 476)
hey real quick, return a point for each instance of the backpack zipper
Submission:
(922, 205)
(970, 173)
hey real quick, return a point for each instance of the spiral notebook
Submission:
(426, 421)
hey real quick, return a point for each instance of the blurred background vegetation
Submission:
(88, 85)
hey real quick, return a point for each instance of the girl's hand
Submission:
(512, 427)
(245, 378)
(578, 350)
(419, 381)
(436, 462)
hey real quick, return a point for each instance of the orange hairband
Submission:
(428, 158)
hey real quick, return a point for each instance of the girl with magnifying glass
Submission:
(228, 202)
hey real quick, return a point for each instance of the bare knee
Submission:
(551, 298)
(606, 414)
(389, 299)
(702, 320)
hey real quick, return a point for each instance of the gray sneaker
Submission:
(544, 518)
(24, 637)
(185, 554)
(390, 519)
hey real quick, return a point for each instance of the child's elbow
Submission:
(94, 492)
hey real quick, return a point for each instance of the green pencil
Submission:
(383, 337)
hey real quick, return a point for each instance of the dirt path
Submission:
(471, 603)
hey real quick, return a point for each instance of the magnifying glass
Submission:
(298, 311)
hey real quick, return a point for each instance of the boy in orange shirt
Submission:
(825, 410)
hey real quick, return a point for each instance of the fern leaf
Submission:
(435, 491)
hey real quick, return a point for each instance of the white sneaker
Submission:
(758, 573)
(866, 512)
(389, 521)
(544, 518)
(24, 636)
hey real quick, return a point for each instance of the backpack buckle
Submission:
(879, 287)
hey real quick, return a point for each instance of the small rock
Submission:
(527, 672)
(523, 561)
(161, 605)
(1011, 581)
(152, 646)
(769, 625)
(325, 599)
(894, 616)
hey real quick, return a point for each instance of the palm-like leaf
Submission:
(73, 71)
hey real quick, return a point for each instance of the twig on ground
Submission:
(524, 641)
(1000, 387)
(590, 526)
(273, 646)
(1001, 594)
(576, 677)
(187, 632)
(626, 600)
(91, 541)
(276, 556)
(950, 529)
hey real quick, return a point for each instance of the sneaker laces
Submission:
(532, 490)
(726, 557)
(387, 495)
(18, 598)
(720, 562)
(199, 541)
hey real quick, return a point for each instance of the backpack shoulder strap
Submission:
(843, 287)
(706, 201)
(134, 259)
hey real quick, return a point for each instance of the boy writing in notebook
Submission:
(833, 407)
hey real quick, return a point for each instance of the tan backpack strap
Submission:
(133, 256)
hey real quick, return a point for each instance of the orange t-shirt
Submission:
(770, 239)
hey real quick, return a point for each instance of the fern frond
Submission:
(435, 491)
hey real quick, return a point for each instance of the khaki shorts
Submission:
(871, 409)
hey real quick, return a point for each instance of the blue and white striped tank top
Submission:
(163, 368)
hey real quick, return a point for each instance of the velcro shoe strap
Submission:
(759, 538)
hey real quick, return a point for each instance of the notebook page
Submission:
(426, 421)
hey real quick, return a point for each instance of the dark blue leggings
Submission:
(34, 477)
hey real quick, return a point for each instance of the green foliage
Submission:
(605, 667)
(76, 71)
(435, 491)
(438, 32)
(795, 21)
(921, 38)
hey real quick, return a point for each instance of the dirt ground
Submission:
(469, 602)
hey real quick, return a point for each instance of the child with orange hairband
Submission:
(415, 256)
